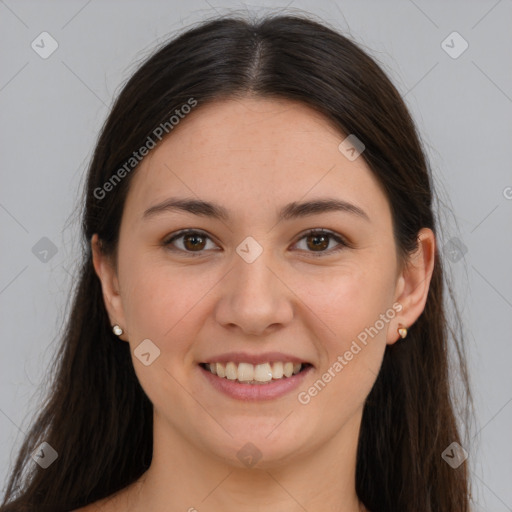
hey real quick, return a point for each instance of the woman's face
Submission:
(251, 286)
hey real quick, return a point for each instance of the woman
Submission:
(259, 322)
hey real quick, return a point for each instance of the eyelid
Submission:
(167, 241)
(342, 242)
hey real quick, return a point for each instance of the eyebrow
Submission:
(290, 211)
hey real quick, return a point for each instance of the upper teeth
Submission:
(247, 372)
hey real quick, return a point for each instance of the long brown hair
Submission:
(97, 416)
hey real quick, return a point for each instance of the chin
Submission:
(259, 447)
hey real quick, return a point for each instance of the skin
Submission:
(253, 156)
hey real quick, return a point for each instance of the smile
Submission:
(247, 373)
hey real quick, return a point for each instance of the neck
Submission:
(184, 477)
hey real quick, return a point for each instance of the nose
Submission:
(255, 298)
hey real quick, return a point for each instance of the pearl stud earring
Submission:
(117, 330)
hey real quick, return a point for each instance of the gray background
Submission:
(52, 110)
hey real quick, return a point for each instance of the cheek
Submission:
(350, 308)
(349, 299)
(359, 312)
(162, 302)
(163, 306)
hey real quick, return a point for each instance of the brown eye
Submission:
(192, 242)
(189, 241)
(317, 242)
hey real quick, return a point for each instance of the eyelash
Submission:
(312, 232)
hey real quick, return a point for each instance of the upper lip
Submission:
(244, 357)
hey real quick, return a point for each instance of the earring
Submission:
(117, 330)
(402, 331)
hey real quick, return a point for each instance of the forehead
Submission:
(252, 154)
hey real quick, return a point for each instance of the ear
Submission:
(107, 274)
(413, 283)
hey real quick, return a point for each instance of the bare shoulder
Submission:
(93, 507)
(120, 501)
(109, 504)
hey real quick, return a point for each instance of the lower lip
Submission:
(254, 392)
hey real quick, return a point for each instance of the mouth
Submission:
(255, 374)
